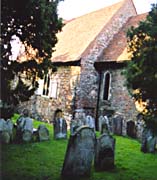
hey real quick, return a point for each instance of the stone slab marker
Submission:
(60, 128)
(79, 154)
(148, 143)
(117, 123)
(131, 131)
(104, 154)
(43, 133)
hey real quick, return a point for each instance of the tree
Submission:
(35, 23)
(141, 72)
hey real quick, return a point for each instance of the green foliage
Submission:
(141, 72)
(35, 23)
(44, 160)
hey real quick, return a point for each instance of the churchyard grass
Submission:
(44, 160)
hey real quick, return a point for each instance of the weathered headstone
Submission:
(27, 131)
(139, 129)
(24, 130)
(131, 130)
(117, 123)
(78, 121)
(43, 133)
(89, 121)
(104, 124)
(79, 154)
(60, 128)
(105, 153)
(6, 131)
(19, 129)
(148, 141)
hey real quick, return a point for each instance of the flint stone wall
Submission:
(88, 88)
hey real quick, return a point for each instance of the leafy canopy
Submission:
(35, 23)
(141, 72)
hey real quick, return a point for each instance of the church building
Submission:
(90, 57)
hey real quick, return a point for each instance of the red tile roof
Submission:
(117, 49)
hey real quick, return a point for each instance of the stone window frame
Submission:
(46, 85)
(103, 86)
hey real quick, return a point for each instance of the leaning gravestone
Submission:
(43, 133)
(79, 154)
(60, 128)
(117, 123)
(105, 153)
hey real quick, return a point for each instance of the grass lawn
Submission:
(44, 160)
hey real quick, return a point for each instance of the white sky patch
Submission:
(69, 9)
(16, 47)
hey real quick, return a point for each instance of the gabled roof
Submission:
(117, 49)
(77, 34)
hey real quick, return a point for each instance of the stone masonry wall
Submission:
(88, 88)
(45, 107)
(119, 99)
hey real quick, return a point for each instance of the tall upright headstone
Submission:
(131, 130)
(117, 124)
(104, 124)
(78, 121)
(60, 126)
(79, 154)
(89, 121)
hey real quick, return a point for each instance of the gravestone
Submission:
(27, 131)
(148, 143)
(117, 123)
(105, 153)
(104, 124)
(139, 129)
(43, 133)
(131, 130)
(79, 154)
(78, 121)
(60, 128)
(6, 131)
(89, 121)
(19, 129)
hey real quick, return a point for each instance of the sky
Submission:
(69, 9)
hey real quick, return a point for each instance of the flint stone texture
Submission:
(117, 124)
(105, 153)
(60, 128)
(79, 154)
(43, 133)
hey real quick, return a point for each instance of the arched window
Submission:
(106, 86)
